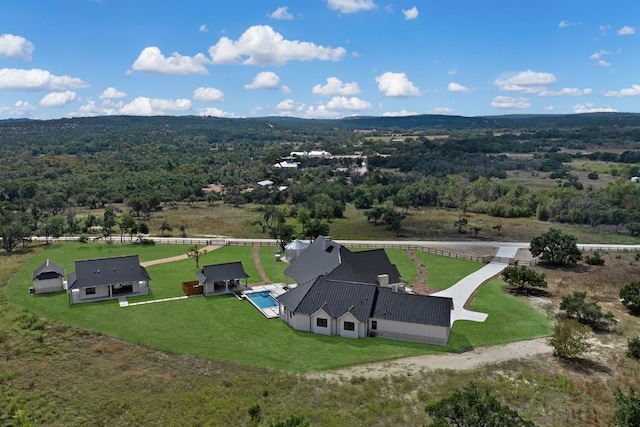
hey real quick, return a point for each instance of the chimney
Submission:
(383, 280)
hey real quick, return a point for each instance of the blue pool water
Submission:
(262, 299)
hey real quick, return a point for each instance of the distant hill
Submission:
(398, 124)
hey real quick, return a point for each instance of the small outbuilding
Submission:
(219, 279)
(49, 277)
(293, 249)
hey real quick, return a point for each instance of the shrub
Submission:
(633, 347)
(594, 259)
(587, 313)
(470, 407)
(570, 339)
(628, 411)
(524, 279)
(630, 297)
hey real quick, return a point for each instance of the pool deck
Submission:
(275, 290)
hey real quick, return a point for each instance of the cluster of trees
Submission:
(53, 167)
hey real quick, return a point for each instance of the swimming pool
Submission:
(262, 299)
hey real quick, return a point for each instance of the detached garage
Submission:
(49, 277)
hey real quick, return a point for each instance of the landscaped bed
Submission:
(224, 328)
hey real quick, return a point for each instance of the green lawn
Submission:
(444, 271)
(224, 328)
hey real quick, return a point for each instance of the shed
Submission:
(293, 249)
(49, 277)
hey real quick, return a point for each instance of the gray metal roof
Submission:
(107, 271)
(326, 257)
(47, 270)
(335, 297)
(220, 272)
(365, 266)
(412, 308)
(320, 258)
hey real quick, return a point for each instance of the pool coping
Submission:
(274, 289)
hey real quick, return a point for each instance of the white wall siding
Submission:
(348, 317)
(429, 334)
(48, 285)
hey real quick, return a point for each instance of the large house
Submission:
(359, 294)
(107, 278)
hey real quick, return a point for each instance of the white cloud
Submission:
(507, 102)
(410, 13)
(549, 108)
(335, 87)
(19, 109)
(452, 72)
(456, 87)
(58, 99)
(442, 110)
(151, 60)
(261, 45)
(337, 107)
(143, 106)
(402, 113)
(37, 79)
(564, 24)
(290, 105)
(599, 54)
(203, 28)
(593, 108)
(626, 31)
(208, 94)
(525, 82)
(351, 6)
(12, 46)
(604, 63)
(281, 13)
(567, 91)
(112, 93)
(285, 89)
(634, 90)
(264, 80)
(216, 112)
(396, 85)
(351, 104)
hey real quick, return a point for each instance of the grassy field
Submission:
(226, 329)
(422, 224)
(53, 374)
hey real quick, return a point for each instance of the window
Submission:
(321, 323)
(90, 291)
(374, 324)
(349, 326)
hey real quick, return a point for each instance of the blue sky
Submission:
(317, 58)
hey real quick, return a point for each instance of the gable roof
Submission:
(47, 270)
(219, 272)
(107, 271)
(326, 257)
(320, 258)
(365, 267)
(412, 308)
(334, 297)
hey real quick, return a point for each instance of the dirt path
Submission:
(419, 284)
(175, 258)
(258, 264)
(464, 361)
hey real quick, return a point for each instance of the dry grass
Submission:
(70, 377)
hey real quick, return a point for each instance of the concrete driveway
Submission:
(462, 291)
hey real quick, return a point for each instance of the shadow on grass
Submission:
(585, 366)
